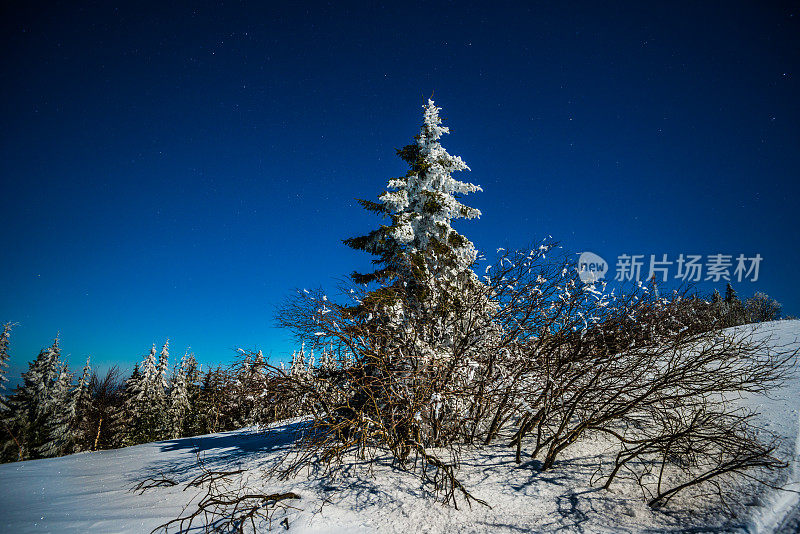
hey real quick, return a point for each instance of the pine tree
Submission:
(105, 417)
(4, 356)
(255, 387)
(82, 401)
(424, 265)
(146, 403)
(32, 405)
(415, 311)
(191, 424)
(163, 366)
(419, 242)
(730, 296)
(298, 367)
(179, 398)
(60, 421)
(326, 362)
(733, 310)
(127, 418)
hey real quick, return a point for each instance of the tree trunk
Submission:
(97, 436)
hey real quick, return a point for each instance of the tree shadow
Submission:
(225, 451)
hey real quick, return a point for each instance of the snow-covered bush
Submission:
(761, 307)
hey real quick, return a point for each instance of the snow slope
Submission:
(90, 492)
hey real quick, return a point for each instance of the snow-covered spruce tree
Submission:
(146, 402)
(211, 408)
(419, 243)
(179, 405)
(732, 309)
(125, 418)
(299, 366)
(163, 368)
(32, 406)
(247, 391)
(424, 264)
(82, 402)
(150, 400)
(4, 356)
(60, 423)
(183, 396)
(259, 412)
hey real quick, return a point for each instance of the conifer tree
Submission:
(163, 366)
(424, 264)
(146, 403)
(105, 417)
(4, 356)
(82, 400)
(419, 242)
(733, 308)
(32, 405)
(255, 387)
(179, 398)
(193, 374)
(298, 366)
(127, 418)
(730, 295)
(210, 407)
(414, 309)
(59, 423)
(716, 298)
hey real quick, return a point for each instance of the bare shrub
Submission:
(761, 308)
(532, 355)
(226, 506)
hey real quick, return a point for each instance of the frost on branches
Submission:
(424, 265)
(421, 206)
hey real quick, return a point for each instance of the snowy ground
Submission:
(90, 492)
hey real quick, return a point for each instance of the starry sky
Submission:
(175, 171)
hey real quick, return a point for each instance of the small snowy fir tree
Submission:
(32, 405)
(327, 363)
(420, 241)
(733, 310)
(425, 265)
(179, 405)
(163, 365)
(60, 421)
(127, 418)
(210, 407)
(299, 368)
(146, 402)
(716, 298)
(82, 401)
(4, 356)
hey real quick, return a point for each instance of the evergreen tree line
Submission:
(731, 311)
(51, 413)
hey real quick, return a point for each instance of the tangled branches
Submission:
(531, 355)
(225, 507)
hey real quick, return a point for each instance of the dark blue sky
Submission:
(175, 171)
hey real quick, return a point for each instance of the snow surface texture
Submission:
(89, 492)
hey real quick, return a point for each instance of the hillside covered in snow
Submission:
(93, 492)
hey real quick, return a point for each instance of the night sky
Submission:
(174, 172)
